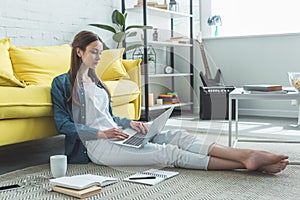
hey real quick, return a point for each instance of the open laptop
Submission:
(138, 139)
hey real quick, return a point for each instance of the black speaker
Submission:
(214, 102)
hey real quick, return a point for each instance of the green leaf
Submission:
(119, 37)
(114, 16)
(140, 27)
(131, 34)
(118, 18)
(105, 27)
(134, 46)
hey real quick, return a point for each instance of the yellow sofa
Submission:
(26, 74)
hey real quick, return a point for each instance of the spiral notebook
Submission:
(151, 176)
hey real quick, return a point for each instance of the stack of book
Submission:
(169, 98)
(263, 88)
(81, 186)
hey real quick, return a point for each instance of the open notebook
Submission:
(151, 176)
(80, 182)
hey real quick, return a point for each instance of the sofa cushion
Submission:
(7, 77)
(31, 101)
(122, 91)
(110, 66)
(125, 110)
(5, 64)
(39, 65)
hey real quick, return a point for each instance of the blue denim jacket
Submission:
(64, 119)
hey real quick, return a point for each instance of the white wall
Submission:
(255, 60)
(242, 60)
(41, 22)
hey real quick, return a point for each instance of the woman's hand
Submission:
(112, 133)
(139, 126)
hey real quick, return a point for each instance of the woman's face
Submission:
(92, 54)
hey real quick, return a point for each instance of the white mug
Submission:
(58, 165)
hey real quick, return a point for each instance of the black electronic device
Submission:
(214, 102)
(9, 187)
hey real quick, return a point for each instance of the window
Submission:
(252, 17)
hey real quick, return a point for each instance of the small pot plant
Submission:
(215, 21)
(120, 32)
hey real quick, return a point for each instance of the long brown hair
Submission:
(81, 41)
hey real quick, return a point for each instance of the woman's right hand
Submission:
(112, 133)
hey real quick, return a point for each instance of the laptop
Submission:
(139, 139)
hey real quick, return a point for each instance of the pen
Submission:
(142, 177)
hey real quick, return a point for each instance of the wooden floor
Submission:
(21, 155)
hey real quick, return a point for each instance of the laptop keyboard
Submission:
(136, 139)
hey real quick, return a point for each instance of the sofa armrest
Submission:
(133, 69)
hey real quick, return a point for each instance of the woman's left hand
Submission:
(139, 126)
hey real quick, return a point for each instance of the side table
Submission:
(239, 94)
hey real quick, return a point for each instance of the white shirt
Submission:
(97, 109)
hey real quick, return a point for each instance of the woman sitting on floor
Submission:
(89, 134)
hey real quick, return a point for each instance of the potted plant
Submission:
(120, 32)
(151, 58)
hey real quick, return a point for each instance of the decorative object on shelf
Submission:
(173, 6)
(155, 35)
(120, 32)
(150, 99)
(169, 98)
(159, 101)
(215, 21)
(139, 3)
(151, 64)
(294, 79)
(168, 70)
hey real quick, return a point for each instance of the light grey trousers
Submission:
(177, 148)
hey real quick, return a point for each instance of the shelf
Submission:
(163, 44)
(169, 75)
(165, 106)
(169, 45)
(159, 12)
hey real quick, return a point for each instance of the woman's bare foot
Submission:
(274, 168)
(259, 159)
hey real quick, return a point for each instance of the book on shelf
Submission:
(78, 193)
(266, 92)
(80, 182)
(182, 40)
(169, 98)
(151, 176)
(262, 87)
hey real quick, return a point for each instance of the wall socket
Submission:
(294, 102)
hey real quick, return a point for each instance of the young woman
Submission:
(83, 113)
